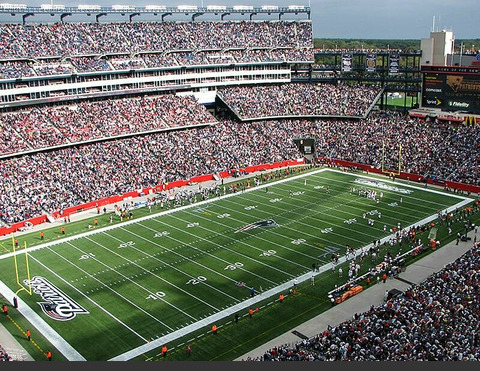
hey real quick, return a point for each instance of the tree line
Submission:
(405, 44)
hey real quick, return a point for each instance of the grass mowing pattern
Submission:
(144, 280)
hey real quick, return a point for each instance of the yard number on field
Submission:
(268, 253)
(195, 281)
(234, 266)
(87, 256)
(156, 295)
(161, 234)
(299, 241)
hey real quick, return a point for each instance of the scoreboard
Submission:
(451, 88)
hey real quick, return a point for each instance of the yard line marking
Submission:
(4, 248)
(351, 204)
(279, 234)
(152, 216)
(361, 242)
(232, 251)
(206, 321)
(173, 267)
(185, 258)
(360, 200)
(256, 188)
(313, 216)
(269, 242)
(430, 190)
(200, 203)
(272, 231)
(153, 345)
(386, 216)
(229, 229)
(142, 268)
(81, 293)
(309, 225)
(104, 285)
(296, 221)
(317, 175)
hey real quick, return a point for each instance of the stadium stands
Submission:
(254, 102)
(432, 321)
(4, 355)
(75, 175)
(66, 48)
(42, 127)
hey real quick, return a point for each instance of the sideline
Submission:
(13, 347)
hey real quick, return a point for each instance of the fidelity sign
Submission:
(460, 104)
(57, 305)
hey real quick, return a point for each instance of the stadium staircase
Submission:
(374, 103)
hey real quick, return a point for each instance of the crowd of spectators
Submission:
(444, 308)
(44, 182)
(42, 127)
(86, 43)
(436, 320)
(10, 140)
(126, 63)
(297, 99)
(90, 64)
(361, 50)
(4, 355)
(50, 126)
(52, 68)
(153, 60)
(437, 150)
(15, 69)
(242, 56)
(81, 64)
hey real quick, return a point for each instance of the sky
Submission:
(351, 19)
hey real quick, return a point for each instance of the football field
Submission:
(118, 292)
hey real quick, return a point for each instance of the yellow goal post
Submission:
(25, 271)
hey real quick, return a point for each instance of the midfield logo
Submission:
(260, 224)
(57, 305)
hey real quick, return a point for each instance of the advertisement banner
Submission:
(371, 62)
(394, 63)
(347, 62)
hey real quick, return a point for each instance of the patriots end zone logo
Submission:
(57, 305)
(260, 224)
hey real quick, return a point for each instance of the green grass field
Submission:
(399, 102)
(125, 290)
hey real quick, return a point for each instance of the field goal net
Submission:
(391, 158)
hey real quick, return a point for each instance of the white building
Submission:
(437, 48)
